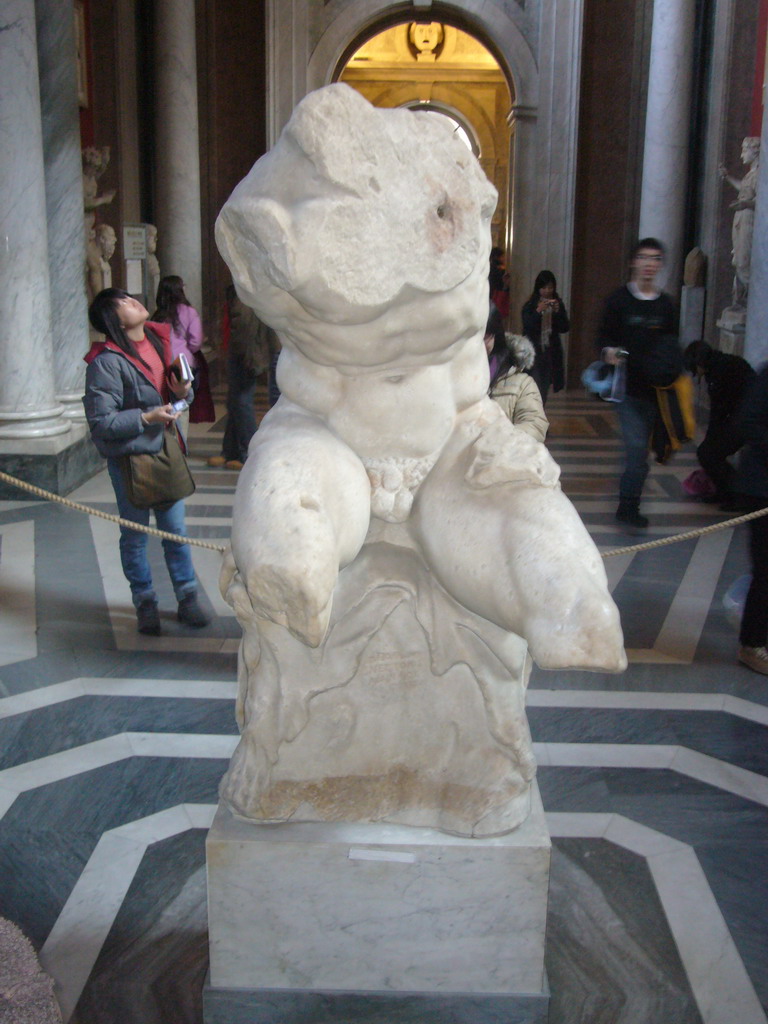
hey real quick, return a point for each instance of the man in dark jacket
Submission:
(728, 378)
(251, 346)
(639, 320)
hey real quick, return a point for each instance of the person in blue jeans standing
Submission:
(128, 391)
(638, 319)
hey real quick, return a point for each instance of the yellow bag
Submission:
(676, 420)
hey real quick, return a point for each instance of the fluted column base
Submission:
(33, 423)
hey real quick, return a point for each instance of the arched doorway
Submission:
(440, 67)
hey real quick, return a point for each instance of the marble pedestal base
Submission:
(236, 1006)
(58, 464)
(321, 922)
(733, 329)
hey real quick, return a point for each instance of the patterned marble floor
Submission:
(655, 782)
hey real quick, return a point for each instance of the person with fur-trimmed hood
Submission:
(510, 357)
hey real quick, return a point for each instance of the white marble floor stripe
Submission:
(615, 569)
(75, 941)
(721, 986)
(88, 756)
(57, 693)
(672, 757)
(679, 635)
(18, 619)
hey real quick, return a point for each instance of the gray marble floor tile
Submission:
(610, 956)
(153, 964)
(72, 723)
(719, 735)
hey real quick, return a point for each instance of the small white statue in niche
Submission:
(742, 229)
(397, 544)
(153, 265)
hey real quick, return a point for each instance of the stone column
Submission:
(179, 242)
(756, 341)
(28, 408)
(665, 157)
(64, 200)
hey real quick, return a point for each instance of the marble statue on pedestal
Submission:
(397, 544)
(95, 162)
(153, 266)
(99, 251)
(744, 217)
(99, 241)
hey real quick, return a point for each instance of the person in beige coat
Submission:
(512, 387)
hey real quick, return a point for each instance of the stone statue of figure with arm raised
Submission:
(743, 217)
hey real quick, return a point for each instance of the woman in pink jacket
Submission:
(173, 307)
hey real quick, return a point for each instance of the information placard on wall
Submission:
(134, 242)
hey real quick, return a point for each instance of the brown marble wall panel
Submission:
(611, 123)
(741, 80)
(232, 99)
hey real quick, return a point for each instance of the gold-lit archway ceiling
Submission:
(416, 43)
(435, 63)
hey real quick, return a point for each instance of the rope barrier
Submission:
(139, 527)
(726, 524)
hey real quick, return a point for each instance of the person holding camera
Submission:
(639, 319)
(129, 392)
(544, 320)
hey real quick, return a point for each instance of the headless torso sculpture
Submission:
(397, 545)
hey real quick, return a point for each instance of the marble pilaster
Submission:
(665, 156)
(28, 408)
(178, 152)
(64, 200)
(756, 341)
(287, 59)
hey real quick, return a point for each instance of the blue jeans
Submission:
(636, 417)
(241, 415)
(133, 545)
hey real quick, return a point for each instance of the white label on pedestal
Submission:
(356, 853)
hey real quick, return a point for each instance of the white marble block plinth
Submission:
(377, 908)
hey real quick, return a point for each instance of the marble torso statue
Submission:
(397, 545)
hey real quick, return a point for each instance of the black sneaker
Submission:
(148, 618)
(190, 612)
(631, 517)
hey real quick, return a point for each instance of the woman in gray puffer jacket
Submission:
(127, 401)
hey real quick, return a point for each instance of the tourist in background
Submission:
(509, 357)
(250, 345)
(639, 320)
(728, 378)
(544, 320)
(128, 395)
